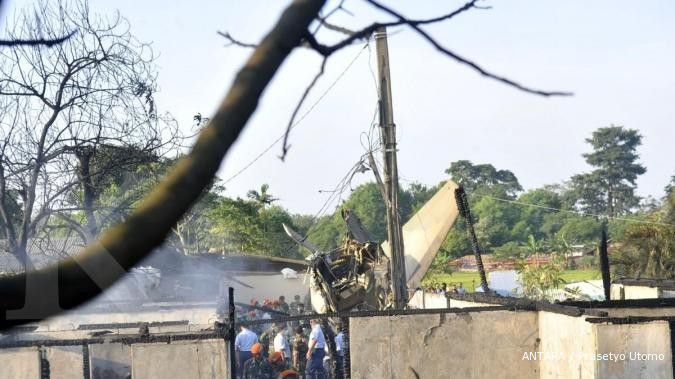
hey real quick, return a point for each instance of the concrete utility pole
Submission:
(388, 138)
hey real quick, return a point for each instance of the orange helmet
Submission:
(289, 374)
(275, 357)
(256, 348)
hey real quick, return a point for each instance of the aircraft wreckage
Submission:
(357, 275)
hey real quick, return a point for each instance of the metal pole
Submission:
(604, 262)
(388, 136)
(231, 333)
(465, 211)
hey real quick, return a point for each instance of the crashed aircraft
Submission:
(357, 275)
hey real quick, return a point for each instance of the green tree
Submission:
(610, 188)
(419, 194)
(540, 220)
(484, 178)
(537, 281)
(495, 221)
(262, 197)
(648, 249)
(327, 232)
(578, 230)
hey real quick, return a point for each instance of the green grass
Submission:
(571, 276)
(470, 279)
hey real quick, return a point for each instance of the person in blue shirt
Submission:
(242, 346)
(315, 352)
(339, 351)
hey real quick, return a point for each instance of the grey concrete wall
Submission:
(471, 345)
(65, 362)
(630, 342)
(110, 361)
(193, 360)
(23, 363)
(566, 342)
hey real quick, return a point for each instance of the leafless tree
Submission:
(66, 108)
(100, 264)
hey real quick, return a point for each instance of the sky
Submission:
(617, 57)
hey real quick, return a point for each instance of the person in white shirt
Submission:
(315, 352)
(281, 343)
(242, 346)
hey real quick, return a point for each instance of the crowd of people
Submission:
(285, 350)
(443, 288)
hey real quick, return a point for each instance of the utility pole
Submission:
(388, 138)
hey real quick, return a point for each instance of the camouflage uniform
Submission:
(258, 369)
(264, 340)
(300, 348)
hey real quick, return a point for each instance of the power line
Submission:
(311, 108)
(579, 213)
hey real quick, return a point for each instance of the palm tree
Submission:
(262, 197)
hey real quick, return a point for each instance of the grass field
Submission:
(470, 280)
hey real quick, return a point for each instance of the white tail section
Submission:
(424, 233)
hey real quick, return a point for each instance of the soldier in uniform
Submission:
(300, 350)
(264, 340)
(257, 367)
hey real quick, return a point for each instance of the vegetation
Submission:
(471, 281)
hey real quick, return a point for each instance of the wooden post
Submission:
(388, 138)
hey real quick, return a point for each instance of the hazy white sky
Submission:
(616, 56)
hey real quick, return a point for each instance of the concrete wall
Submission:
(110, 361)
(65, 362)
(472, 345)
(647, 312)
(23, 363)
(193, 360)
(565, 342)
(423, 300)
(204, 315)
(468, 304)
(629, 339)
(633, 292)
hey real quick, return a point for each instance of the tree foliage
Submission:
(648, 249)
(610, 188)
(484, 178)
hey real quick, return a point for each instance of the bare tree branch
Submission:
(456, 57)
(49, 42)
(285, 147)
(335, 28)
(148, 226)
(236, 42)
(366, 32)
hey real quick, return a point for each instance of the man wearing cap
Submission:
(242, 346)
(277, 363)
(315, 352)
(257, 367)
